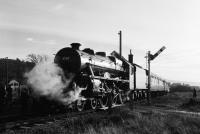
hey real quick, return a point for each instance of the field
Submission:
(130, 119)
(179, 101)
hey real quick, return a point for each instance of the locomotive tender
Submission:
(105, 80)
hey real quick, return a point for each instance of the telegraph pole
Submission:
(120, 43)
(6, 72)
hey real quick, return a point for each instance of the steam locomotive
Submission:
(106, 80)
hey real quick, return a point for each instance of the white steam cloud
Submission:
(48, 79)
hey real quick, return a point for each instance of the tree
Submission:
(36, 58)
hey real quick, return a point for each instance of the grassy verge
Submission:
(178, 100)
(120, 121)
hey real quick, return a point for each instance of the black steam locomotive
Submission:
(105, 80)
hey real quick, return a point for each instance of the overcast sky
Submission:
(45, 26)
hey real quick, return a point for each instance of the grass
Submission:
(178, 100)
(120, 121)
(126, 120)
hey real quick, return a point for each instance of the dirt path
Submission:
(144, 109)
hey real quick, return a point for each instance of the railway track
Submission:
(25, 122)
(31, 121)
(28, 121)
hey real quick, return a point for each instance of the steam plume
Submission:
(48, 79)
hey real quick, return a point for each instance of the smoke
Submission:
(48, 79)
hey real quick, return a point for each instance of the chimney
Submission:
(130, 57)
(75, 46)
(120, 43)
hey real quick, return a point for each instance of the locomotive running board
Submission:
(103, 78)
(111, 79)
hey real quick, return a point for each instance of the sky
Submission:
(45, 26)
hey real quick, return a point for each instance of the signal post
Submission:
(149, 77)
(149, 58)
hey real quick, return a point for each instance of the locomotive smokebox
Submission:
(69, 60)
